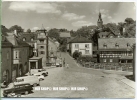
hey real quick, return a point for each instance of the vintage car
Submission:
(18, 89)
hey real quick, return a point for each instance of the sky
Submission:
(68, 15)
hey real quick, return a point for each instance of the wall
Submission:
(81, 48)
(7, 62)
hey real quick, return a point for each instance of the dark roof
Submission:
(80, 39)
(112, 42)
(101, 34)
(64, 34)
(28, 36)
(15, 41)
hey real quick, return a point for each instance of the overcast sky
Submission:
(70, 15)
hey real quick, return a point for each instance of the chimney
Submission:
(15, 32)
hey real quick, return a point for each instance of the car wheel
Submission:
(26, 92)
(40, 79)
(47, 73)
(35, 84)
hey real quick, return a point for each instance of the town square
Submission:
(68, 49)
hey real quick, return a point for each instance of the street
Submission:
(99, 84)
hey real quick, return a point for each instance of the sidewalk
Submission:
(129, 83)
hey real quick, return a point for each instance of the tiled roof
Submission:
(111, 43)
(15, 41)
(65, 34)
(101, 34)
(28, 37)
(80, 39)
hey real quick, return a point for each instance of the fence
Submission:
(108, 66)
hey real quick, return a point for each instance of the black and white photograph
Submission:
(69, 50)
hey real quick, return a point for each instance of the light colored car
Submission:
(39, 75)
(33, 80)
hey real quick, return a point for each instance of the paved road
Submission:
(99, 84)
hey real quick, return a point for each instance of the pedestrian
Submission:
(67, 65)
(64, 62)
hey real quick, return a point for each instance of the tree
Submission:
(84, 31)
(120, 27)
(129, 21)
(53, 33)
(73, 33)
(76, 55)
(16, 27)
(4, 30)
(28, 31)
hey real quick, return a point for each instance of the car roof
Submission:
(22, 84)
(24, 77)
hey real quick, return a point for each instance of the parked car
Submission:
(39, 75)
(57, 65)
(18, 89)
(40, 70)
(45, 74)
(33, 80)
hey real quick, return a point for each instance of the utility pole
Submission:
(47, 48)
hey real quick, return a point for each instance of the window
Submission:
(16, 54)
(104, 60)
(24, 39)
(41, 47)
(87, 45)
(41, 41)
(32, 39)
(111, 60)
(128, 44)
(105, 45)
(86, 51)
(42, 52)
(76, 45)
(116, 45)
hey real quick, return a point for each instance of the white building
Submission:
(80, 44)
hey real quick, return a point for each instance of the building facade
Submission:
(116, 50)
(6, 60)
(21, 54)
(80, 44)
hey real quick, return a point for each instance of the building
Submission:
(65, 34)
(31, 39)
(100, 21)
(21, 54)
(116, 50)
(80, 44)
(6, 60)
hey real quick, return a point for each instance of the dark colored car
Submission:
(45, 74)
(18, 89)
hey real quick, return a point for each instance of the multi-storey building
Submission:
(116, 50)
(21, 54)
(6, 60)
(80, 44)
